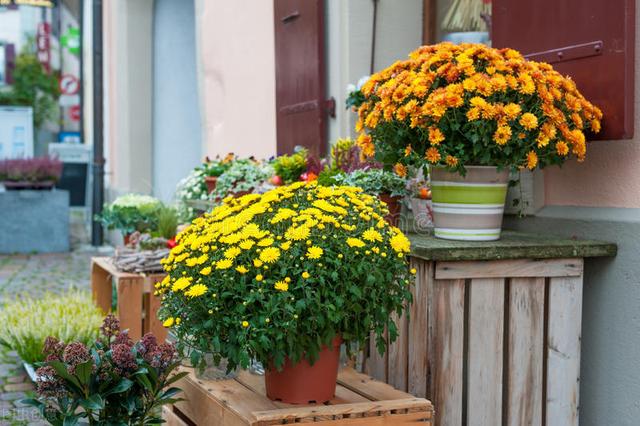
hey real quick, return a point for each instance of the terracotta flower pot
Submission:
(394, 206)
(126, 238)
(303, 383)
(211, 182)
(240, 193)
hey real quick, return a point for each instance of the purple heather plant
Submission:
(37, 169)
(115, 381)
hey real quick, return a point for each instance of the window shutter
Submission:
(590, 40)
(300, 86)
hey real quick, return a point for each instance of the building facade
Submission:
(205, 84)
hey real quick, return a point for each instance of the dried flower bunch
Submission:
(114, 381)
(469, 104)
(280, 274)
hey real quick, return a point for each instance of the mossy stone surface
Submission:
(512, 245)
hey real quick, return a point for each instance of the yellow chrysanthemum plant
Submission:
(472, 105)
(279, 275)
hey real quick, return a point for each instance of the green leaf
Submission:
(61, 370)
(94, 402)
(122, 386)
(83, 372)
(70, 420)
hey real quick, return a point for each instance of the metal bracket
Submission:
(330, 107)
(568, 53)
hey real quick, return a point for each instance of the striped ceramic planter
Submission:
(469, 208)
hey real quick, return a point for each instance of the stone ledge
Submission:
(512, 245)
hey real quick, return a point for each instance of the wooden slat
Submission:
(101, 288)
(418, 418)
(371, 389)
(448, 351)
(130, 306)
(509, 268)
(398, 356)
(525, 352)
(563, 351)
(151, 317)
(170, 418)
(363, 408)
(225, 402)
(485, 354)
(377, 364)
(419, 327)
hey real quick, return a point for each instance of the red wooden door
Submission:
(590, 40)
(300, 85)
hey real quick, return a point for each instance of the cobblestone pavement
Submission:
(35, 275)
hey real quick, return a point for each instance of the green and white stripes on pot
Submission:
(469, 208)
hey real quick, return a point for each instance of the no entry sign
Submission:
(69, 84)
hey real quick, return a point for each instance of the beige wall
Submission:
(237, 76)
(128, 87)
(349, 29)
(610, 176)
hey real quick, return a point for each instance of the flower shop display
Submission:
(25, 322)
(30, 173)
(243, 177)
(214, 168)
(280, 277)
(472, 113)
(113, 381)
(386, 185)
(131, 212)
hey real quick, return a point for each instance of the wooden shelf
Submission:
(359, 400)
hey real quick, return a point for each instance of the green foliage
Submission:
(112, 382)
(131, 212)
(281, 274)
(167, 222)
(243, 175)
(217, 166)
(26, 322)
(374, 181)
(33, 87)
(290, 167)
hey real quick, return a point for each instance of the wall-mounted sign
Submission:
(74, 113)
(69, 84)
(71, 40)
(43, 43)
(37, 3)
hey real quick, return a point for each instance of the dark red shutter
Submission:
(590, 40)
(300, 93)
(9, 62)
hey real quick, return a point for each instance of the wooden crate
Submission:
(137, 307)
(493, 335)
(359, 400)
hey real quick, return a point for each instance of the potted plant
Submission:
(284, 278)
(112, 382)
(473, 113)
(131, 212)
(289, 168)
(387, 186)
(243, 177)
(212, 170)
(30, 173)
(25, 323)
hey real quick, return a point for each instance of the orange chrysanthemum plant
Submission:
(469, 104)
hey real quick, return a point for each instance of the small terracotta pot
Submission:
(303, 383)
(211, 182)
(394, 206)
(126, 238)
